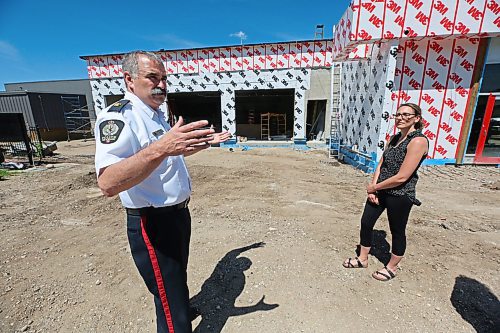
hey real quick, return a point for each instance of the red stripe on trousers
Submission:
(159, 278)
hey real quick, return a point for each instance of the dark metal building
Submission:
(47, 111)
(73, 87)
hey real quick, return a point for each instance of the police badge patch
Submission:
(110, 130)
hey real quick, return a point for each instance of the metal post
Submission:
(26, 139)
(39, 137)
(43, 113)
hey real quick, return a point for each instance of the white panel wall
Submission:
(226, 83)
(362, 99)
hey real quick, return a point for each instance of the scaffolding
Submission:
(77, 118)
(273, 126)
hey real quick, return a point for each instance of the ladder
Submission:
(264, 126)
(334, 148)
(272, 125)
(319, 32)
(281, 119)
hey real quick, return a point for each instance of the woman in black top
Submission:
(393, 188)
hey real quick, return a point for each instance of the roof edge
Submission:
(85, 57)
(27, 82)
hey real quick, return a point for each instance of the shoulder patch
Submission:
(118, 106)
(109, 130)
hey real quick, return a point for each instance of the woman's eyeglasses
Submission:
(403, 115)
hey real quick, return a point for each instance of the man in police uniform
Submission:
(141, 158)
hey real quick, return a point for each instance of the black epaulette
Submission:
(118, 106)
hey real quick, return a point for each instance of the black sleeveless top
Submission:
(393, 159)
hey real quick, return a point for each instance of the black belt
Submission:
(145, 210)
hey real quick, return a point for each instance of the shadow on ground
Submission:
(215, 303)
(380, 247)
(477, 304)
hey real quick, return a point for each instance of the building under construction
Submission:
(442, 55)
(275, 91)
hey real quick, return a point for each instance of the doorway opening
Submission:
(193, 106)
(486, 130)
(484, 137)
(264, 114)
(315, 120)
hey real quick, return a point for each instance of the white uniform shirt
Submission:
(133, 128)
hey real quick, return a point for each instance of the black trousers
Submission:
(398, 210)
(159, 242)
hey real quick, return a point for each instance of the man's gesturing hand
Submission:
(220, 137)
(186, 138)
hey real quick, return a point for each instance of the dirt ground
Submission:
(271, 228)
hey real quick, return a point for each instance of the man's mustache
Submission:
(159, 91)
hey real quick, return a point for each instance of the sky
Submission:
(43, 39)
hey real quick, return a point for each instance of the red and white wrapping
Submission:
(225, 59)
(344, 37)
(236, 64)
(171, 62)
(394, 19)
(328, 53)
(418, 14)
(259, 57)
(456, 97)
(360, 51)
(295, 55)
(192, 61)
(89, 69)
(214, 60)
(163, 56)
(371, 20)
(469, 16)
(115, 65)
(491, 22)
(204, 60)
(351, 22)
(283, 55)
(247, 57)
(437, 75)
(271, 56)
(412, 71)
(442, 17)
(182, 62)
(319, 53)
(307, 49)
(435, 84)
(98, 67)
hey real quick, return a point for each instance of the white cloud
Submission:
(239, 34)
(8, 51)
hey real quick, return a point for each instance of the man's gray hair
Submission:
(130, 62)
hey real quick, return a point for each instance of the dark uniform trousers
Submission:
(159, 242)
